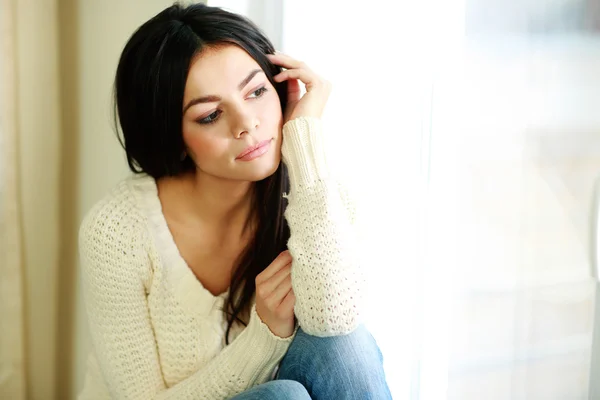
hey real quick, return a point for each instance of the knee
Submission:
(358, 344)
(275, 390)
(289, 390)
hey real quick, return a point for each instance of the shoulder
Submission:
(114, 243)
(117, 215)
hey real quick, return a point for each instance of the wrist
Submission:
(303, 150)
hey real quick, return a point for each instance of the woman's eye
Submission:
(259, 92)
(211, 118)
(215, 115)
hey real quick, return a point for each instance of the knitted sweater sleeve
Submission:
(326, 276)
(115, 273)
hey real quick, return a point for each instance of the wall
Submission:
(92, 35)
(38, 127)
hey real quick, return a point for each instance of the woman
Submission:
(192, 278)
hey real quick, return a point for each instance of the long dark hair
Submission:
(148, 94)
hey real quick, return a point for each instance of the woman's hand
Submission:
(313, 102)
(275, 299)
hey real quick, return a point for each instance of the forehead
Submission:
(218, 69)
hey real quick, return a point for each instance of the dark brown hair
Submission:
(149, 86)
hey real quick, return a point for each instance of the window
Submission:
(471, 132)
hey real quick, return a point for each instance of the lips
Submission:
(252, 152)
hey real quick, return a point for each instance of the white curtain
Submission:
(471, 132)
(381, 58)
(529, 157)
(393, 66)
(474, 137)
(12, 350)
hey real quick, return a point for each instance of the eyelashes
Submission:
(211, 119)
(261, 90)
(214, 116)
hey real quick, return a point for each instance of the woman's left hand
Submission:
(313, 102)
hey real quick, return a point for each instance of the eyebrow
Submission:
(213, 98)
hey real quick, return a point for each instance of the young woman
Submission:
(225, 267)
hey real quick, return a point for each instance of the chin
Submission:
(259, 172)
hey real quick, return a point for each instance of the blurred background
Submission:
(469, 131)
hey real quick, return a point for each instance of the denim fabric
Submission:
(275, 390)
(327, 368)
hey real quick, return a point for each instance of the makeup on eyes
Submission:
(214, 116)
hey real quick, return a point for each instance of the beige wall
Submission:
(93, 35)
(66, 56)
(38, 127)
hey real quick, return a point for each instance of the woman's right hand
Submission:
(275, 298)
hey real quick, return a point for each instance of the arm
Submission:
(115, 266)
(326, 276)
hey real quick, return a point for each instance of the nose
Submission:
(245, 121)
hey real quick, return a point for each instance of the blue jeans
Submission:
(337, 367)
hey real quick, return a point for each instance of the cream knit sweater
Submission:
(157, 333)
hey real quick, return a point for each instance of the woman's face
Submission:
(230, 107)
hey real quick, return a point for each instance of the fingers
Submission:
(295, 69)
(294, 93)
(289, 301)
(317, 88)
(280, 261)
(307, 77)
(276, 298)
(286, 61)
(270, 285)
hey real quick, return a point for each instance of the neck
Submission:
(220, 203)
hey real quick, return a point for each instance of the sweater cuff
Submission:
(260, 344)
(260, 326)
(303, 150)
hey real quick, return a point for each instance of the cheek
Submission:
(206, 149)
(272, 115)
